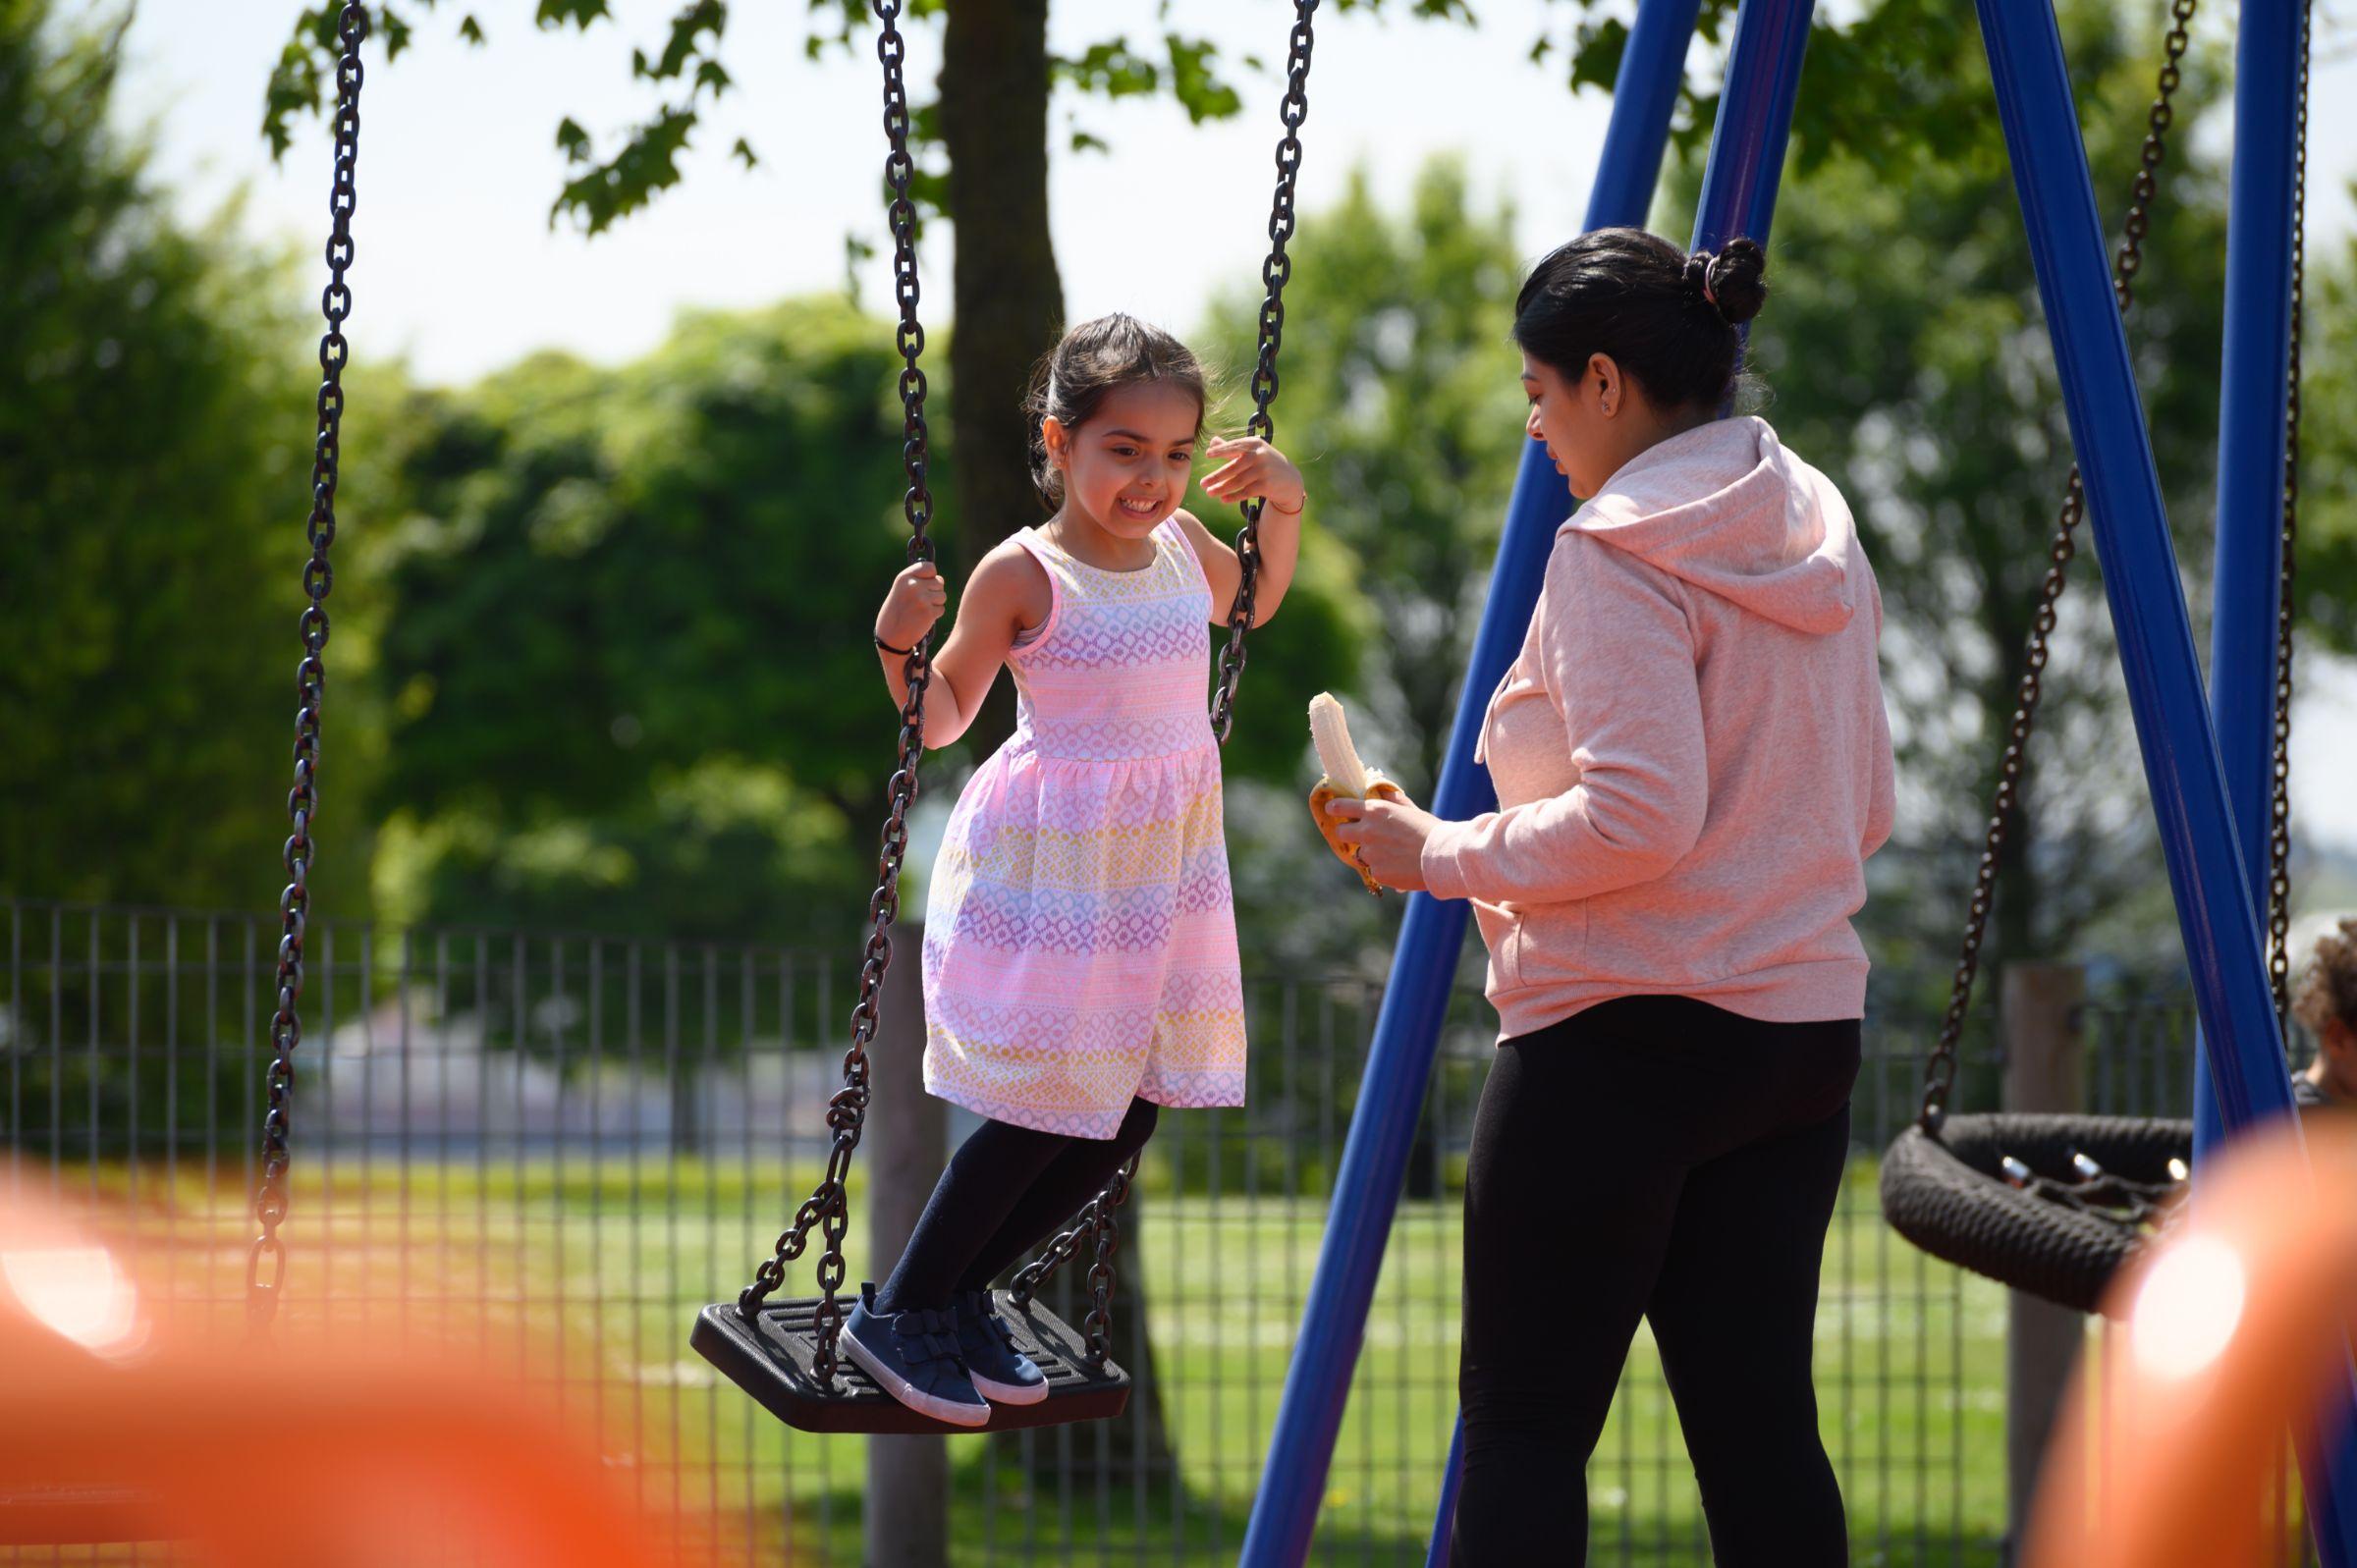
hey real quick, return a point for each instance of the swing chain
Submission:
(1097, 1223)
(2279, 846)
(828, 1208)
(1940, 1072)
(270, 1198)
(1099, 1322)
(1274, 272)
(1098, 1217)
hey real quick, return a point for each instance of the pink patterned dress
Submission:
(1080, 932)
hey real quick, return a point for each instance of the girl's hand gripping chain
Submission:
(917, 599)
(1346, 778)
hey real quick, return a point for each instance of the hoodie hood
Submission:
(1726, 507)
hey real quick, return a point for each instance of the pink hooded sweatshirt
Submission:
(1691, 754)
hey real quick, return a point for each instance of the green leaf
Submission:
(572, 141)
(686, 27)
(647, 164)
(293, 89)
(1195, 84)
(743, 152)
(1111, 67)
(471, 30)
(1596, 61)
(576, 13)
(712, 75)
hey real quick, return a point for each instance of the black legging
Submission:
(1653, 1156)
(1004, 1190)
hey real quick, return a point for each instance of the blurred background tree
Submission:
(600, 659)
(154, 477)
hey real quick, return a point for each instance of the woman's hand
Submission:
(917, 599)
(1253, 469)
(1389, 836)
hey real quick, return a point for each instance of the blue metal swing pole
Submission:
(2181, 761)
(1432, 933)
(2251, 458)
(2250, 447)
(1755, 120)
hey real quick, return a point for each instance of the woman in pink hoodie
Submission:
(1692, 765)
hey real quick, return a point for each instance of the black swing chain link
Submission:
(270, 1200)
(1098, 1219)
(1940, 1072)
(828, 1208)
(1274, 273)
(2278, 843)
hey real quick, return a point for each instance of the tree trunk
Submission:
(1006, 297)
(908, 1139)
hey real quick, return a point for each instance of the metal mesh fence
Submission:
(567, 1144)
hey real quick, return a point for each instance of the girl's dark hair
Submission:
(1665, 317)
(1095, 358)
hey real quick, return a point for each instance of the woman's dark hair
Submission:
(1665, 317)
(1095, 358)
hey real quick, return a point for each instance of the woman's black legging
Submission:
(1652, 1157)
(1004, 1190)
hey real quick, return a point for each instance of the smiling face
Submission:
(1125, 467)
(1575, 418)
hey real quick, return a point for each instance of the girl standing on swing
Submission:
(1080, 956)
(1692, 764)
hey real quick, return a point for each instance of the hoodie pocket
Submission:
(1546, 944)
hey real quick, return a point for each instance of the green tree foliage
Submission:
(1904, 350)
(1400, 390)
(2326, 585)
(625, 655)
(153, 455)
(1402, 402)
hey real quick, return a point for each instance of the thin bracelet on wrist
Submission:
(1283, 513)
(888, 648)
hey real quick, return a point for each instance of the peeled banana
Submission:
(1346, 779)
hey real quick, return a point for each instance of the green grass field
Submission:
(586, 1282)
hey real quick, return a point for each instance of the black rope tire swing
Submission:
(2054, 1205)
(783, 1353)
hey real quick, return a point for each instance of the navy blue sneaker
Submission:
(914, 1357)
(987, 1345)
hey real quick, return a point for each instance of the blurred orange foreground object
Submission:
(2234, 1332)
(109, 1430)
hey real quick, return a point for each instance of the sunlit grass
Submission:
(583, 1278)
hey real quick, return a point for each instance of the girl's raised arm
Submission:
(1007, 596)
(1252, 467)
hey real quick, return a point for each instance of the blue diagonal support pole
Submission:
(2250, 445)
(1432, 933)
(2182, 766)
(2269, 61)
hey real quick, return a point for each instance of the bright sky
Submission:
(459, 271)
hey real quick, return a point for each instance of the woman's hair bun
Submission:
(1665, 314)
(1735, 279)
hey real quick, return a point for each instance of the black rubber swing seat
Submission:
(1948, 1195)
(772, 1359)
